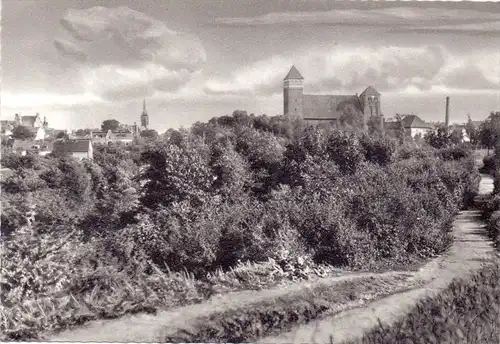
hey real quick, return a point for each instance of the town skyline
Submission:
(79, 64)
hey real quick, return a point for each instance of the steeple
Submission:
(293, 74)
(144, 111)
(144, 116)
(293, 93)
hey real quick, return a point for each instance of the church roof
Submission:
(73, 146)
(293, 74)
(370, 91)
(413, 121)
(328, 106)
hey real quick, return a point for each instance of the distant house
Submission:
(38, 133)
(34, 123)
(24, 146)
(103, 137)
(125, 136)
(31, 146)
(53, 133)
(78, 148)
(414, 125)
(460, 130)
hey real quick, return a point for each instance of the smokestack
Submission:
(447, 116)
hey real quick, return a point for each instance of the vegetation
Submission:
(110, 124)
(149, 133)
(269, 317)
(468, 311)
(179, 216)
(489, 131)
(23, 133)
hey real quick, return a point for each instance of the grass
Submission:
(467, 312)
(106, 293)
(273, 316)
(112, 296)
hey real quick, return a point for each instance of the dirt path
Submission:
(152, 328)
(470, 250)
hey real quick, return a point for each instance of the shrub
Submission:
(488, 164)
(455, 152)
(378, 150)
(345, 150)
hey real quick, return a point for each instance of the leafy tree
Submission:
(489, 131)
(346, 151)
(472, 131)
(62, 135)
(456, 137)
(378, 150)
(83, 132)
(22, 132)
(150, 134)
(232, 173)
(375, 125)
(110, 124)
(441, 138)
(350, 116)
(399, 131)
(174, 174)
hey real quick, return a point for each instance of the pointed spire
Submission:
(293, 74)
(144, 106)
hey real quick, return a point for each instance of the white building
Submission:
(79, 149)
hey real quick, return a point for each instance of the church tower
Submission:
(293, 93)
(144, 117)
(370, 100)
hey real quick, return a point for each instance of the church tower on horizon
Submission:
(144, 117)
(351, 109)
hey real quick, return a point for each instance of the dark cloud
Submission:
(469, 77)
(351, 70)
(396, 18)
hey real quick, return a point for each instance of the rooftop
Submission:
(413, 121)
(73, 146)
(293, 74)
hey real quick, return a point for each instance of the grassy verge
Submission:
(468, 311)
(273, 316)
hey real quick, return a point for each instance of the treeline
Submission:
(239, 188)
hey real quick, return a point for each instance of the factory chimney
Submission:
(447, 116)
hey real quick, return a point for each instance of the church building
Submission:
(144, 120)
(351, 110)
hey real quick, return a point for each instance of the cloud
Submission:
(34, 100)
(349, 70)
(124, 53)
(262, 77)
(393, 17)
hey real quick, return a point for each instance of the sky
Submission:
(79, 62)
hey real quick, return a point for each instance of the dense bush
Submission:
(488, 164)
(236, 191)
